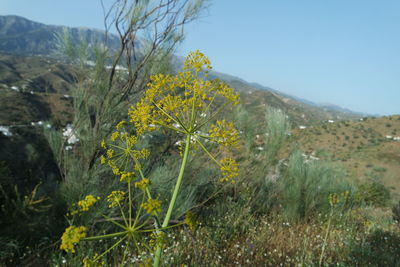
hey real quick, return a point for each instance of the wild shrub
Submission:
(246, 126)
(305, 186)
(373, 193)
(380, 248)
(277, 130)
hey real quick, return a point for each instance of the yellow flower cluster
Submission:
(152, 206)
(72, 236)
(333, 199)
(126, 176)
(103, 144)
(115, 198)
(196, 60)
(93, 262)
(229, 168)
(184, 103)
(121, 152)
(143, 184)
(346, 195)
(190, 220)
(120, 125)
(224, 133)
(84, 205)
(158, 238)
(181, 99)
(110, 153)
(103, 159)
(141, 116)
(114, 136)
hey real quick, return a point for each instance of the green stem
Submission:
(157, 223)
(138, 213)
(130, 203)
(157, 255)
(326, 238)
(108, 219)
(104, 236)
(211, 117)
(208, 152)
(111, 248)
(162, 229)
(123, 215)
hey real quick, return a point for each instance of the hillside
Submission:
(369, 148)
(24, 37)
(316, 112)
(41, 87)
(34, 89)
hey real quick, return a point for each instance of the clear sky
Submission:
(344, 52)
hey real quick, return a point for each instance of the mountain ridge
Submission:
(22, 36)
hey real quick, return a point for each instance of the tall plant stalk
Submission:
(173, 198)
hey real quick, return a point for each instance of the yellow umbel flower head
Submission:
(186, 103)
(126, 176)
(71, 237)
(122, 156)
(120, 125)
(84, 205)
(333, 199)
(158, 238)
(229, 169)
(143, 184)
(182, 100)
(190, 220)
(93, 262)
(115, 198)
(152, 206)
(115, 136)
(224, 133)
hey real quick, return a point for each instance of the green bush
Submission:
(277, 131)
(381, 248)
(306, 185)
(246, 126)
(374, 193)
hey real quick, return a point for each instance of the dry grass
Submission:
(270, 241)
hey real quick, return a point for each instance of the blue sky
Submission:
(330, 51)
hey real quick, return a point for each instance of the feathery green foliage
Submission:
(277, 131)
(246, 126)
(306, 185)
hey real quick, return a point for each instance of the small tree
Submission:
(149, 32)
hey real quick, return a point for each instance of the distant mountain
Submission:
(344, 110)
(21, 36)
(335, 111)
(326, 106)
